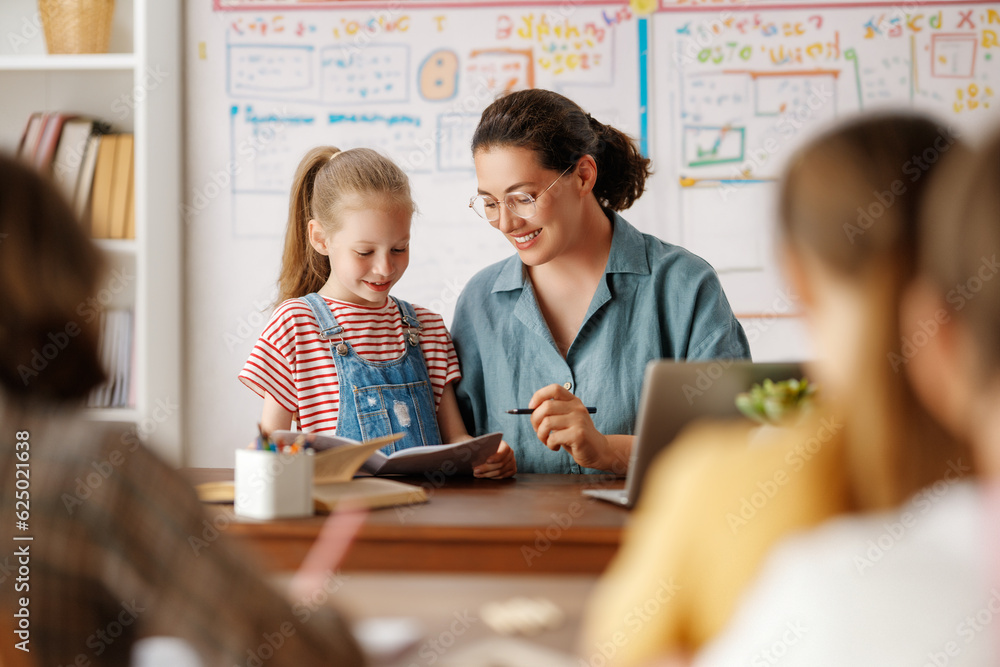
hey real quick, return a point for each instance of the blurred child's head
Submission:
(348, 223)
(849, 224)
(951, 315)
(49, 276)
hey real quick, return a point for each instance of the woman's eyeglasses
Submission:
(520, 204)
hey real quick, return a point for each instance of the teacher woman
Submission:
(571, 320)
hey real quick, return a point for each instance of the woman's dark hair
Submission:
(49, 274)
(560, 133)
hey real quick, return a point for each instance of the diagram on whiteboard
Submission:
(748, 87)
(411, 84)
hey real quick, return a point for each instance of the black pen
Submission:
(528, 411)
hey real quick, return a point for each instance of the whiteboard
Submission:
(718, 94)
(738, 89)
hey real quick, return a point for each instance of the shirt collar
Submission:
(628, 255)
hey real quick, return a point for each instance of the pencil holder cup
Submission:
(272, 485)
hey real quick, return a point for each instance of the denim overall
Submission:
(389, 396)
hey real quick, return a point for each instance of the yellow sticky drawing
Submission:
(643, 7)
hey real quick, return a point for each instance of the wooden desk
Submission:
(448, 608)
(529, 524)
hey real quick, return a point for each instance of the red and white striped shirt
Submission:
(295, 366)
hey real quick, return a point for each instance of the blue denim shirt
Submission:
(656, 300)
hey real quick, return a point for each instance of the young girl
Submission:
(714, 506)
(339, 354)
(911, 586)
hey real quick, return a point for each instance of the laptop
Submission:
(676, 393)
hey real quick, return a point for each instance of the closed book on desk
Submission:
(361, 493)
(366, 493)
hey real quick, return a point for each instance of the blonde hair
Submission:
(961, 237)
(325, 183)
(894, 446)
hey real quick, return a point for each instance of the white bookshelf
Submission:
(55, 63)
(136, 88)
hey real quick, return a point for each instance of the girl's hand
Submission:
(500, 465)
(561, 420)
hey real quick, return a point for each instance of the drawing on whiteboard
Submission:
(376, 74)
(776, 93)
(372, 78)
(502, 70)
(269, 70)
(455, 136)
(706, 145)
(575, 51)
(715, 97)
(972, 98)
(438, 76)
(953, 56)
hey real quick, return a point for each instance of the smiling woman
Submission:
(572, 319)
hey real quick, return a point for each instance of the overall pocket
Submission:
(393, 408)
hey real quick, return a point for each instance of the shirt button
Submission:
(568, 385)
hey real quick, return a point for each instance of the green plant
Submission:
(776, 402)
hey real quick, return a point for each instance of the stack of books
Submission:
(116, 356)
(93, 168)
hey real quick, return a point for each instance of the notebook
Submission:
(676, 393)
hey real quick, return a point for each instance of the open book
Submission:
(455, 459)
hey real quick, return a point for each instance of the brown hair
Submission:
(324, 185)
(560, 133)
(49, 272)
(851, 198)
(961, 236)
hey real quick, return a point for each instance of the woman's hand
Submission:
(499, 465)
(561, 420)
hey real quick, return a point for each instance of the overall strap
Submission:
(328, 326)
(410, 321)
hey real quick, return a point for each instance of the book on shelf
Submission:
(52, 129)
(68, 159)
(70, 164)
(116, 350)
(120, 181)
(29, 138)
(112, 190)
(95, 175)
(130, 199)
(85, 181)
(100, 193)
